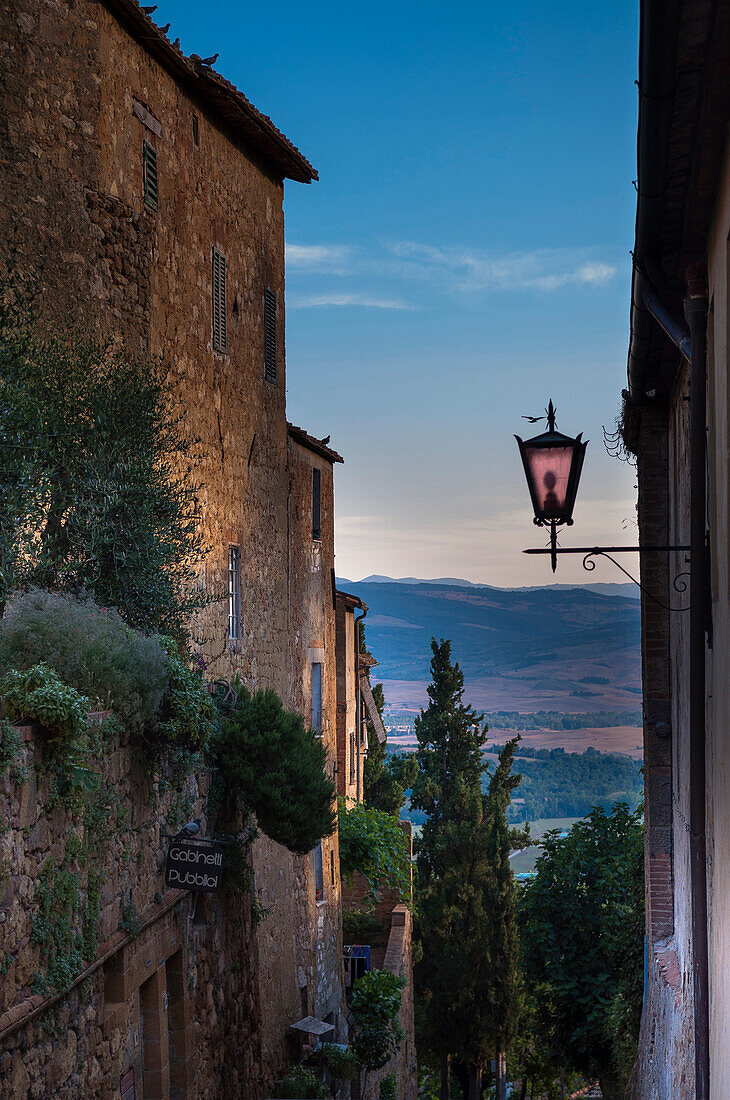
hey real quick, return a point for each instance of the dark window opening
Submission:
(234, 591)
(150, 1010)
(317, 697)
(269, 335)
(332, 865)
(353, 751)
(220, 332)
(316, 504)
(196, 131)
(318, 873)
(149, 176)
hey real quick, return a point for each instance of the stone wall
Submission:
(163, 986)
(392, 950)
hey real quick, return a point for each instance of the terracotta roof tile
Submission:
(313, 443)
(223, 98)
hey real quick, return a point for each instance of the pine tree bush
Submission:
(273, 765)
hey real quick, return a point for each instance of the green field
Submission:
(545, 824)
(524, 862)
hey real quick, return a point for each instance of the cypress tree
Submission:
(467, 979)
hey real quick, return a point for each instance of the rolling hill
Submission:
(541, 649)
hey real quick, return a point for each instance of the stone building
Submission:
(355, 704)
(676, 421)
(300, 941)
(144, 192)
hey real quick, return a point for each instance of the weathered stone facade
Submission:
(169, 993)
(88, 89)
(300, 942)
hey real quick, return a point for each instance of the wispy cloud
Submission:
(473, 270)
(380, 272)
(333, 259)
(315, 301)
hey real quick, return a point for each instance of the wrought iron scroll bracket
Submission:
(590, 553)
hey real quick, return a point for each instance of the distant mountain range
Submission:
(628, 591)
(559, 648)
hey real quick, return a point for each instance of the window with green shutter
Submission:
(220, 332)
(149, 175)
(269, 335)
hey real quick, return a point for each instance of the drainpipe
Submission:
(358, 704)
(696, 313)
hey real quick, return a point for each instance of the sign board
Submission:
(194, 864)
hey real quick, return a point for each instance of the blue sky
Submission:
(464, 257)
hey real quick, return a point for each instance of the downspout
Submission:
(358, 706)
(696, 313)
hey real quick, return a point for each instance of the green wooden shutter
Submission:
(220, 332)
(269, 335)
(149, 175)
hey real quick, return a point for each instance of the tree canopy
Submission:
(98, 491)
(582, 919)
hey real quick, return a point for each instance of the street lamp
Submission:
(552, 463)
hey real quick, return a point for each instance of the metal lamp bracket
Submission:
(590, 553)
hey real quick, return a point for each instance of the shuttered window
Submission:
(220, 332)
(316, 504)
(149, 175)
(269, 335)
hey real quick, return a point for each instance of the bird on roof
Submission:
(165, 29)
(209, 60)
(191, 829)
(326, 440)
(176, 44)
(149, 10)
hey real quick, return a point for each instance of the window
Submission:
(317, 697)
(353, 753)
(149, 175)
(234, 591)
(196, 131)
(220, 333)
(332, 865)
(318, 873)
(316, 504)
(269, 335)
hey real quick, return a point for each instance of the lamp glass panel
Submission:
(550, 472)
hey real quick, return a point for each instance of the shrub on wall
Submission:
(90, 648)
(188, 716)
(38, 694)
(376, 1030)
(274, 766)
(372, 842)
